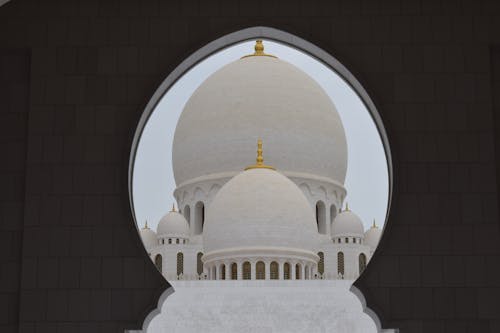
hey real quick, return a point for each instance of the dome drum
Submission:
(260, 253)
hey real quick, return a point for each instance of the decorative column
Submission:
(292, 271)
(267, 263)
(253, 270)
(281, 272)
(303, 272)
(240, 269)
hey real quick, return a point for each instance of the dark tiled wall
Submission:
(14, 106)
(94, 65)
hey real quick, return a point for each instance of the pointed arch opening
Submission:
(180, 264)
(222, 271)
(247, 273)
(234, 271)
(340, 265)
(199, 218)
(362, 262)
(286, 271)
(321, 263)
(260, 270)
(274, 270)
(285, 39)
(321, 217)
(159, 263)
(199, 263)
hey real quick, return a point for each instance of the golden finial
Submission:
(374, 225)
(173, 208)
(347, 207)
(259, 50)
(259, 47)
(146, 226)
(260, 159)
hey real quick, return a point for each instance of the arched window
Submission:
(187, 214)
(246, 271)
(321, 217)
(170, 241)
(199, 217)
(298, 273)
(158, 262)
(199, 263)
(180, 263)
(333, 213)
(260, 271)
(362, 263)
(306, 269)
(214, 273)
(177, 241)
(340, 263)
(234, 271)
(274, 270)
(286, 271)
(321, 263)
(222, 272)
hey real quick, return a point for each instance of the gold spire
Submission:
(173, 208)
(259, 50)
(374, 225)
(347, 207)
(146, 226)
(260, 159)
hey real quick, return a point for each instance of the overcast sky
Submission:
(367, 176)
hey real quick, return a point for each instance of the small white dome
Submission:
(372, 236)
(347, 223)
(260, 209)
(173, 224)
(259, 97)
(148, 237)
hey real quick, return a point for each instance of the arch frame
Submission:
(287, 39)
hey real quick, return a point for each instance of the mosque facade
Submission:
(243, 219)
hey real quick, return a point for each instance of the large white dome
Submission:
(260, 209)
(173, 224)
(346, 223)
(259, 97)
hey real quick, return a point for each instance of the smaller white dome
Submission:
(347, 224)
(148, 237)
(372, 236)
(260, 209)
(173, 224)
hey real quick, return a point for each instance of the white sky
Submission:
(367, 176)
